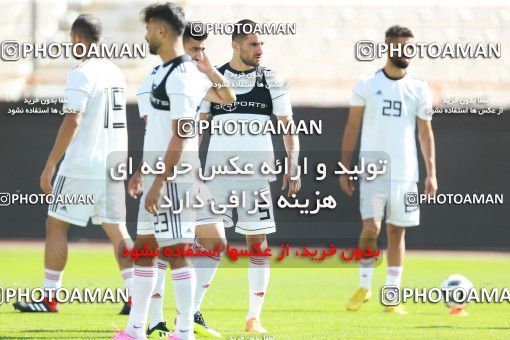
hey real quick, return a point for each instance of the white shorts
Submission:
(170, 228)
(261, 222)
(109, 201)
(380, 197)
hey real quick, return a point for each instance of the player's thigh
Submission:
(56, 226)
(70, 212)
(400, 212)
(373, 197)
(253, 220)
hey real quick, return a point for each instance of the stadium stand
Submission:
(325, 27)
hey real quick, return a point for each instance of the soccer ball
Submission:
(456, 289)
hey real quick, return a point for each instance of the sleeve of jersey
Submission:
(77, 91)
(425, 103)
(358, 94)
(206, 83)
(143, 97)
(205, 106)
(180, 93)
(279, 95)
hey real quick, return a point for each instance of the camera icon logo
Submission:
(390, 295)
(197, 28)
(186, 128)
(10, 50)
(411, 199)
(365, 50)
(5, 199)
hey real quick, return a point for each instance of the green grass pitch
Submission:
(301, 303)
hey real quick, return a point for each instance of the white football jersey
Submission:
(96, 89)
(389, 119)
(250, 105)
(184, 89)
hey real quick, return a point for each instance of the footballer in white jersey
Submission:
(257, 99)
(386, 107)
(93, 137)
(176, 92)
(209, 230)
(97, 89)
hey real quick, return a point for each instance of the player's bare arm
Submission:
(135, 186)
(428, 151)
(65, 136)
(135, 183)
(349, 142)
(220, 92)
(172, 157)
(291, 142)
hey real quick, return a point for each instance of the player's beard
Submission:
(153, 47)
(399, 62)
(248, 61)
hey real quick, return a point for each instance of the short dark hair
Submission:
(170, 13)
(198, 34)
(239, 32)
(398, 31)
(89, 26)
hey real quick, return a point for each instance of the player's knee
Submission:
(147, 241)
(395, 233)
(145, 261)
(214, 243)
(144, 242)
(177, 262)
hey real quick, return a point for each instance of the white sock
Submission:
(394, 276)
(144, 280)
(366, 271)
(184, 282)
(157, 297)
(258, 279)
(127, 277)
(205, 268)
(52, 279)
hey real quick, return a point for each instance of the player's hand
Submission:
(347, 185)
(46, 177)
(430, 185)
(154, 196)
(293, 184)
(135, 186)
(204, 65)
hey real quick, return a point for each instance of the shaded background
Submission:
(472, 157)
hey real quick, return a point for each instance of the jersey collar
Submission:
(182, 58)
(390, 77)
(230, 69)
